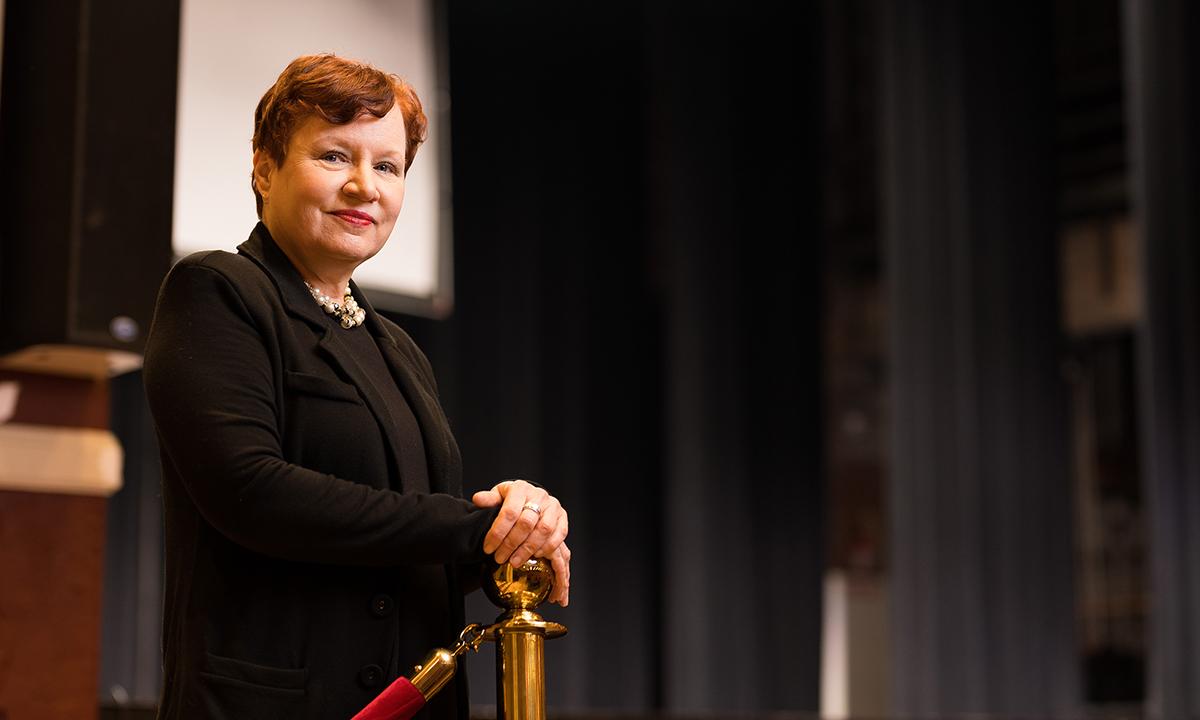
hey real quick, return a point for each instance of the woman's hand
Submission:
(532, 523)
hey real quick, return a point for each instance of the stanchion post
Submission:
(520, 635)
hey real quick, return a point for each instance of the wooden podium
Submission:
(58, 464)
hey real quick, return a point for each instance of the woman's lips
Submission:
(354, 217)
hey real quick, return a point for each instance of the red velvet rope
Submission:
(400, 701)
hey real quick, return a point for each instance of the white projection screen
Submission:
(230, 53)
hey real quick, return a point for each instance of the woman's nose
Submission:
(361, 184)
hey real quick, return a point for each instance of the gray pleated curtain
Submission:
(1163, 75)
(980, 488)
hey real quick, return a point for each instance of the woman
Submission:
(316, 543)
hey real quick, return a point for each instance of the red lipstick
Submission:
(355, 217)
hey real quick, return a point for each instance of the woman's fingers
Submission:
(528, 517)
(503, 522)
(513, 517)
(537, 543)
(560, 561)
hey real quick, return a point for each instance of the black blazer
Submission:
(300, 578)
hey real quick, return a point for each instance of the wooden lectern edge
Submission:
(74, 361)
(69, 461)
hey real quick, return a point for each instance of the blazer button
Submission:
(382, 605)
(370, 676)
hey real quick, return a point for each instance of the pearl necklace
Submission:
(347, 312)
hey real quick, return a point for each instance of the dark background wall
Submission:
(637, 248)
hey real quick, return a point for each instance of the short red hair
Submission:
(338, 91)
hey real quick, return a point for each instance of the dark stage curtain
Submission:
(735, 210)
(636, 326)
(1164, 86)
(980, 498)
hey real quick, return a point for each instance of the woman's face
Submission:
(332, 202)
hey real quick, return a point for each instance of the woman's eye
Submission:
(386, 167)
(331, 157)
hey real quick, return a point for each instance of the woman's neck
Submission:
(334, 288)
(331, 283)
(325, 277)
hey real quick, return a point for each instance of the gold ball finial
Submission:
(519, 588)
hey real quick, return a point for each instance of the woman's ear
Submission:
(264, 169)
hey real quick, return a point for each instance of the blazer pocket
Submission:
(251, 676)
(307, 384)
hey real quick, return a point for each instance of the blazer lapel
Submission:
(296, 299)
(440, 451)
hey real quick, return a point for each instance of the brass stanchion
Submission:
(520, 636)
